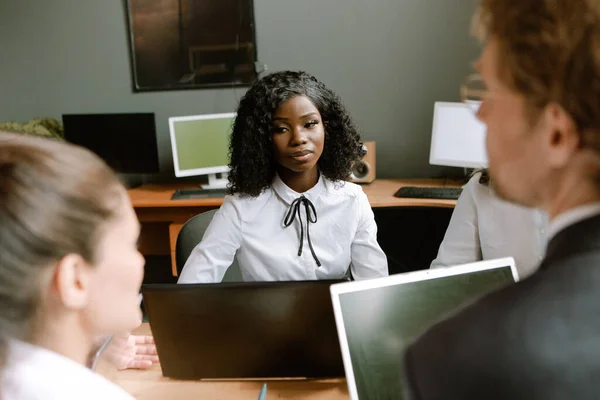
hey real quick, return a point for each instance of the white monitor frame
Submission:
(356, 286)
(214, 182)
(434, 158)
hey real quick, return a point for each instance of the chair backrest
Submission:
(410, 236)
(190, 235)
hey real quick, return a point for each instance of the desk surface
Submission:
(380, 194)
(150, 385)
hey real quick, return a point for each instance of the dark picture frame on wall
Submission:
(191, 44)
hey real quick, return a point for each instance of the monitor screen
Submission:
(379, 322)
(200, 143)
(126, 142)
(458, 137)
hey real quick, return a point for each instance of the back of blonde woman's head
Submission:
(55, 200)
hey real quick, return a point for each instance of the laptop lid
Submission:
(244, 330)
(377, 319)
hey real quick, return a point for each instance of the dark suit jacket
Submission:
(537, 339)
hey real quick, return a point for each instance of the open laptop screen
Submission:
(376, 320)
(245, 330)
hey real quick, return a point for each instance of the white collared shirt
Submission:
(252, 229)
(571, 217)
(485, 227)
(36, 373)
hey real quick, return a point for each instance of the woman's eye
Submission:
(279, 129)
(310, 124)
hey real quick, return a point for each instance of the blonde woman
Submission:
(70, 272)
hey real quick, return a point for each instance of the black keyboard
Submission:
(415, 192)
(182, 194)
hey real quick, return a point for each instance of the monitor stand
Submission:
(216, 188)
(216, 183)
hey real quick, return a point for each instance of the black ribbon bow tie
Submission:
(311, 217)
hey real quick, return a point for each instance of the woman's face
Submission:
(115, 280)
(298, 134)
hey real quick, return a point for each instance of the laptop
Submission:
(244, 330)
(377, 319)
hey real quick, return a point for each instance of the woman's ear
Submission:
(71, 281)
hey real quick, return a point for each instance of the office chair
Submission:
(410, 236)
(190, 235)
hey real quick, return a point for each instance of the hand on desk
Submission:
(128, 351)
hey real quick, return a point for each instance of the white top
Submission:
(484, 227)
(571, 217)
(33, 373)
(252, 229)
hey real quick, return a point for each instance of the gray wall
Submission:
(388, 59)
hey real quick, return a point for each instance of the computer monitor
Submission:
(376, 319)
(458, 137)
(126, 142)
(200, 146)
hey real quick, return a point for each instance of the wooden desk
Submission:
(150, 385)
(162, 218)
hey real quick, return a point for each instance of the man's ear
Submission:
(71, 281)
(562, 140)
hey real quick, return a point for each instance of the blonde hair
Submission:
(55, 199)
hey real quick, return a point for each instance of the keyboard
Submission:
(182, 194)
(415, 192)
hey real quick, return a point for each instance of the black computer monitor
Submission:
(126, 142)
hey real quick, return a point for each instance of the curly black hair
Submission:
(252, 159)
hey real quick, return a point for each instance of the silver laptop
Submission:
(376, 319)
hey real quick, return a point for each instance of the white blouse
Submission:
(484, 227)
(343, 236)
(36, 373)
